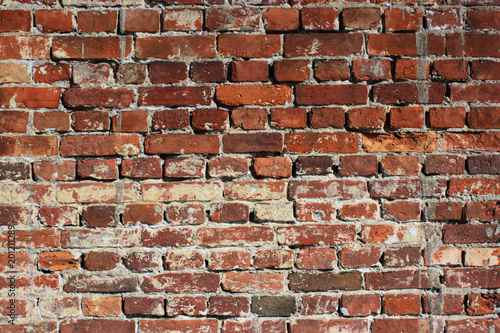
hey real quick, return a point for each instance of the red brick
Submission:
(249, 71)
(454, 44)
(318, 304)
(185, 19)
(100, 145)
(331, 70)
(249, 118)
(182, 191)
(14, 121)
(92, 325)
(54, 20)
(443, 304)
(400, 325)
(170, 120)
(229, 212)
(361, 18)
(488, 164)
(402, 210)
(485, 70)
(407, 117)
(444, 19)
(141, 20)
(38, 239)
(360, 305)
(169, 236)
(488, 211)
(488, 141)
(14, 215)
(291, 70)
(57, 261)
(229, 306)
(213, 71)
(273, 258)
(100, 261)
(131, 121)
(323, 189)
(359, 211)
(356, 257)
(481, 304)
(54, 170)
(140, 306)
(445, 164)
(397, 188)
(403, 279)
(400, 142)
(231, 19)
(371, 69)
(181, 144)
(210, 119)
(366, 117)
(98, 97)
(397, 19)
(237, 95)
(83, 121)
(183, 259)
(24, 47)
(131, 73)
(317, 259)
(227, 167)
(25, 97)
(327, 117)
(142, 261)
(167, 72)
(402, 257)
(181, 214)
(244, 235)
(395, 44)
(97, 21)
(329, 325)
(251, 142)
(452, 69)
(281, 19)
(412, 69)
(188, 167)
(362, 165)
(175, 96)
(472, 277)
(289, 118)
(224, 260)
(325, 18)
(15, 20)
(77, 47)
(483, 19)
(174, 47)
(466, 233)
(446, 117)
(181, 282)
(315, 211)
(14, 171)
(315, 234)
(474, 186)
(402, 305)
(481, 45)
(142, 213)
(248, 46)
(99, 216)
(327, 94)
(28, 146)
(186, 305)
(245, 282)
(59, 215)
(405, 92)
(315, 44)
(321, 142)
(51, 121)
(401, 165)
(172, 325)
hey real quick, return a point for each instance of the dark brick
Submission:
(273, 306)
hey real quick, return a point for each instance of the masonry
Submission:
(260, 166)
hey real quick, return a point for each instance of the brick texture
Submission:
(260, 166)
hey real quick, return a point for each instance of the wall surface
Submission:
(257, 166)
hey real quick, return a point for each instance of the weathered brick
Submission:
(97, 21)
(329, 44)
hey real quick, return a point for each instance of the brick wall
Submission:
(267, 166)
